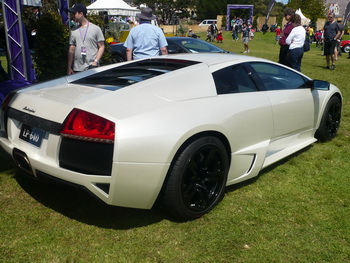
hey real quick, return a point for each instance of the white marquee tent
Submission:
(304, 20)
(113, 7)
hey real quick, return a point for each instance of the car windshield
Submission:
(198, 46)
(132, 73)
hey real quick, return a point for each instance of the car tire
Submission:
(330, 120)
(197, 179)
(346, 48)
(117, 59)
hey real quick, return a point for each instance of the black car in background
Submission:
(175, 45)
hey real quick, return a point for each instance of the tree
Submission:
(52, 46)
(312, 9)
(169, 10)
(209, 9)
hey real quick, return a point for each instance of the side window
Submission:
(275, 77)
(234, 79)
(174, 49)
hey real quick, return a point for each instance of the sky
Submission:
(282, 1)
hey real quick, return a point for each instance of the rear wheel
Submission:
(198, 178)
(330, 121)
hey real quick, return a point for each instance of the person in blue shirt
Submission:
(145, 40)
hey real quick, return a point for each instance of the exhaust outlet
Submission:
(22, 161)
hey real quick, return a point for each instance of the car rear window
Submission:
(123, 76)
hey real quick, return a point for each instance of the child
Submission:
(219, 37)
(208, 34)
(278, 34)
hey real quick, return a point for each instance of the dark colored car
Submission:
(175, 45)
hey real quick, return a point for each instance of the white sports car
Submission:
(173, 129)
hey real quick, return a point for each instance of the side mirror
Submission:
(320, 85)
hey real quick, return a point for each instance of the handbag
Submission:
(306, 44)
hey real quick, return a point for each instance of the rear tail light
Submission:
(83, 125)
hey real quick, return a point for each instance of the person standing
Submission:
(145, 40)
(234, 32)
(86, 42)
(296, 40)
(331, 34)
(337, 52)
(278, 34)
(219, 37)
(284, 47)
(213, 31)
(245, 37)
(208, 34)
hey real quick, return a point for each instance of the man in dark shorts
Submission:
(331, 34)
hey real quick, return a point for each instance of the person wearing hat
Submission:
(86, 42)
(145, 40)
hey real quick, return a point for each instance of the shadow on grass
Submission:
(79, 204)
(6, 162)
(76, 203)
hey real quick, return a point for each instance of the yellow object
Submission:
(109, 39)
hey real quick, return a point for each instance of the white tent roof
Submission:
(113, 7)
(30, 2)
(304, 20)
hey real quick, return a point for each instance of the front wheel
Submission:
(346, 48)
(330, 121)
(117, 59)
(197, 179)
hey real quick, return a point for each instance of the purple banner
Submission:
(21, 65)
(63, 8)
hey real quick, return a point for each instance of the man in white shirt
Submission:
(145, 40)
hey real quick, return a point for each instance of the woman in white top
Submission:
(296, 40)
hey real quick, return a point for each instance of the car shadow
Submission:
(78, 204)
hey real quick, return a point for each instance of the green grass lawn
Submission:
(295, 211)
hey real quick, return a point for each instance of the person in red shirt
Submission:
(284, 48)
(219, 37)
(278, 34)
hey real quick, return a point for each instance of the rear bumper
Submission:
(135, 185)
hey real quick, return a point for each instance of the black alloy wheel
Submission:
(330, 121)
(117, 59)
(198, 178)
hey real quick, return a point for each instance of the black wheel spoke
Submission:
(330, 121)
(196, 183)
(203, 178)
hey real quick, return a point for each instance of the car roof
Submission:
(178, 38)
(213, 58)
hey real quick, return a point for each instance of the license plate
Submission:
(32, 135)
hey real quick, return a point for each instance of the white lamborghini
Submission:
(174, 129)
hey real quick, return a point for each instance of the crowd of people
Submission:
(86, 43)
(294, 37)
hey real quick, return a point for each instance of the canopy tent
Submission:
(30, 2)
(304, 20)
(113, 7)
